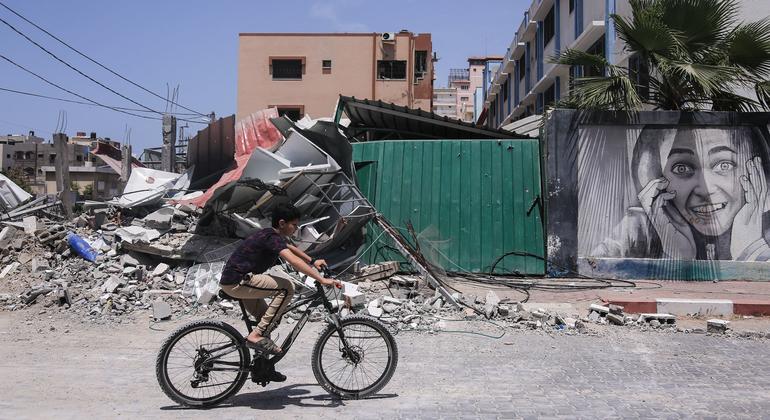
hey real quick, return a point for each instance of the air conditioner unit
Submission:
(388, 37)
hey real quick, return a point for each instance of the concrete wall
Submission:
(662, 194)
(354, 60)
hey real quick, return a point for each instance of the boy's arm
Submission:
(301, 266)
(306, 258)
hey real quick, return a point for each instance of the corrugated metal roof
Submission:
(387, 118)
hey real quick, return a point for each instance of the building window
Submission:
(420, 64)
(464, 87)
(464, 99)
(52, 158)
(548, 27)
(287, 68)
(40, 155)
(522, 68)
(294, 112)
(391, 69)
(639, 73)
(571, 6)
(596, 49)
(505, 89)
(549, 96)
(326, 66)
(79, 158)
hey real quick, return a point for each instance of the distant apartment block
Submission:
(304, 73)
(526, 82)
(36, 159)
(445, 102)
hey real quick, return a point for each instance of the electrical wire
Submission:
(83, 97)
(96, 62)
(37, 95)
(56, 57)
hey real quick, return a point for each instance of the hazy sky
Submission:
(194, 44)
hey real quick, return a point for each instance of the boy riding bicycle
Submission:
(243, 276)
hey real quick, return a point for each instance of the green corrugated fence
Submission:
(471, 201)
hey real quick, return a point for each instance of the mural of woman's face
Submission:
(703, 168)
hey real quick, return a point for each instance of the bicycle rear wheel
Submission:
(202, 363)
(362, 370)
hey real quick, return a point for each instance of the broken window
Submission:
(286, 68)
(391, 69)
(52, 158)
(420, 64)
(549, 28)
(294, 112)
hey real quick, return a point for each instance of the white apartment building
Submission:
(527, 82)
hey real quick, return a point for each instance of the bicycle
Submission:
(203, 363)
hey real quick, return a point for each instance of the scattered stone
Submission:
(39, 264)
(616, 309)
(161, 310)
(160, 270)
(111, 285)
(654, 323)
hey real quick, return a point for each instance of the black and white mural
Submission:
(683, 192)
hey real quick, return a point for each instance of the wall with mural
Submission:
(660, 194)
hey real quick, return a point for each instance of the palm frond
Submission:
(730, 101)
(762, 90)
(699, 23)
(748, 46)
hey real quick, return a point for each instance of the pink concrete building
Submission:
(303, 73)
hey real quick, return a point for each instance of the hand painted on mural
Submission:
(676, 238)
(747, 225)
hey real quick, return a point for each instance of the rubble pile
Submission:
(43, 268)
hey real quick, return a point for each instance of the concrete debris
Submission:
(160, 270)
(161, 310)
(718, 326)
(602, 310)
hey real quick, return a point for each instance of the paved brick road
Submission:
(102, 372)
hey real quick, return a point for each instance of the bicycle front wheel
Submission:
(202, 363)
(361, 369)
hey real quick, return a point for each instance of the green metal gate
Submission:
(471, 201)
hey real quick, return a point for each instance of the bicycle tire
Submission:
(161, 364)
(336, 389)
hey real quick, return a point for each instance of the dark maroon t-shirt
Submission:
(254, 255)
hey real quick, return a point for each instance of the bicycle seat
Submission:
(225, 296)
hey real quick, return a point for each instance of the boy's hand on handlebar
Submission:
(331, 282)
(319, 264)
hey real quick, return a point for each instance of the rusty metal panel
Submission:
(212, 149)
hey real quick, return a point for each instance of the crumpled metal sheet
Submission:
(148, 186)
(11, 195)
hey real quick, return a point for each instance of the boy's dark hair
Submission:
(285, 212)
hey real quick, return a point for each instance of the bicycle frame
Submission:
(318, 298)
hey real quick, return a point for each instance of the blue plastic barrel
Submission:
(82, 248)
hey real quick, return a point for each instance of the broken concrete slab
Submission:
(111, 285)
(602, 310)
(24, 257)
(616, 319)
(160, 219)
(32, 225)
(9, 269)
(137, 234)
(615, 309)
(354, 299)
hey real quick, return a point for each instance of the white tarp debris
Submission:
(11, 195)
(148, 186)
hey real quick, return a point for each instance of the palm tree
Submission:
(697, 55)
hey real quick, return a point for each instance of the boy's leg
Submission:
(283, 291)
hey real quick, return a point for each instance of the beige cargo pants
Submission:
(253, 290)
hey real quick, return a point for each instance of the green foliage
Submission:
(88, 191)
(697, 55)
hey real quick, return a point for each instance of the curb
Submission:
(684, 306)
